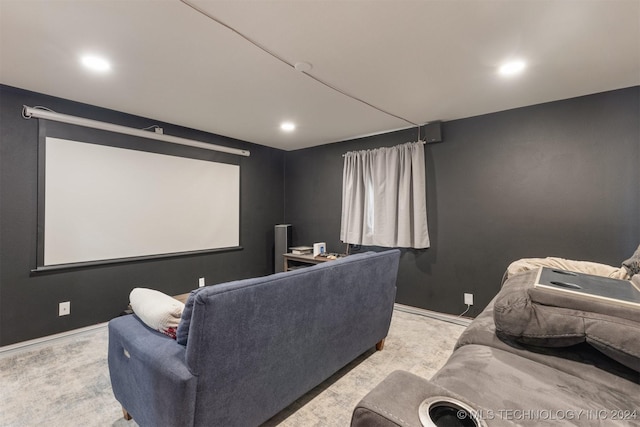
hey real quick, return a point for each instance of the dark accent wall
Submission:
(555, 179)
(29, 302)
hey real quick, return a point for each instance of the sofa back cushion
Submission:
(266, 341)
(532, 316)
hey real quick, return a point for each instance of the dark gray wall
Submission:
(29, 302)
(553, 179)
(556, 179)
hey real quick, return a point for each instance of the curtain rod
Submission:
(28, 112)
(355, 151)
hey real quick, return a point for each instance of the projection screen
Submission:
(106, 203)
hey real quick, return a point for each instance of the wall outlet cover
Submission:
(201, 282)
(64, 309)
(468, 299)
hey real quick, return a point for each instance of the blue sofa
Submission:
(253, 346)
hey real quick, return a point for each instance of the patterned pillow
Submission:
(157, 310)
(633, 264)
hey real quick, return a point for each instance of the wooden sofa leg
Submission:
(380, 345)
(127, 416)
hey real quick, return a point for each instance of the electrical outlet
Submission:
(468, 299)
(201, 282)
(64, 309)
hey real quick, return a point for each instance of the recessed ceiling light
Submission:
(288, 126)
(512, 67)
(95, 63)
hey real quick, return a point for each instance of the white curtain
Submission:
(384, 200)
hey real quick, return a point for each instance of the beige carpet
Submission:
(66, 382)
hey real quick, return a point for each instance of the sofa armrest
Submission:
(395, 402)
(149, 375)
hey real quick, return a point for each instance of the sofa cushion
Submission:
(532, 394)
(578, 360)
(395, 402)
(531, 316)
(157, 310)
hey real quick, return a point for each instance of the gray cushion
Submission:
(578, 360)
(396, 400)
(520, 314)
(502, 381)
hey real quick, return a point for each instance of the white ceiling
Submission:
(420, 60)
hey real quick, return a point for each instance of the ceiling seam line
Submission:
(276, 56)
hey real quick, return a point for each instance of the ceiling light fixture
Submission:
(95, 63)
(512, 68)
(288, 126)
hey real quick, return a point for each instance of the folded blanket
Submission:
(632, 265)
(587, 267)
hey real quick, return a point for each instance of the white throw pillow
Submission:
(157, 310)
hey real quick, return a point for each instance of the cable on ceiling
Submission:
(279, 58)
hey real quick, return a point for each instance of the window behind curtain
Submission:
(384, 197)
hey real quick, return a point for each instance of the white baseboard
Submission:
(462, 321)
(39, 342)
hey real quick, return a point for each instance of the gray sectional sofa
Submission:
(523, 362)
(254, 346)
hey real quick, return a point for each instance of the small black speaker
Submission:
(282, 244)
(433, 132)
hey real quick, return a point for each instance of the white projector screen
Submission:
(105, 203)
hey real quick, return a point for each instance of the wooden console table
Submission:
(292, 261)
